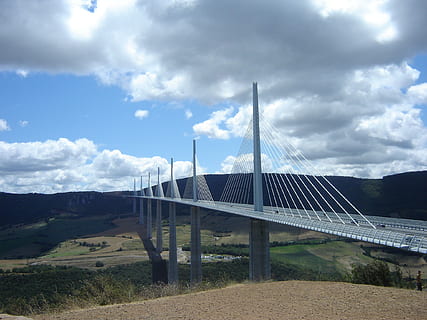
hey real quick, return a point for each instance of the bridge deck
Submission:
(405, 234)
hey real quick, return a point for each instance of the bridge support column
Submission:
(173, 256)
(141, 211)
(259, 251)
(159, 230)
(149, 219)
(134, 197)
(196, 247)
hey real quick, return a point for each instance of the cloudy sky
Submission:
(95, 93)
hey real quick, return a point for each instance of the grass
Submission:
(67, 249)
(124, 245)
(299, 255)
(333, 256)
(135, 244)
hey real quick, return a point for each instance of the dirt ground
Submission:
(273, 300)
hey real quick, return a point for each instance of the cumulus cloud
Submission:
(370, 128)
(211, 52)
(243, 163)
(211, 127)
(141, 114)
(418, 94)
(63, 165)
(335, 76)
(44, 156)
(3, 125)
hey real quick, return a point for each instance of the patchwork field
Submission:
(96, 242)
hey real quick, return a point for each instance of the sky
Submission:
(96, 93)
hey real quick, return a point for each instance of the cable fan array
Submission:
(287, 188)
(203, 192)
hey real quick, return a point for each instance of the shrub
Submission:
(376, 273)
(99, 264)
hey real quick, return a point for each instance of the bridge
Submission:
(283, 195)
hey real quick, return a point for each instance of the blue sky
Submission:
(95, 93)
(74, 107)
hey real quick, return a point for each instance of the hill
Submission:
(32, 207)
(401, 195)
(274, 300)
(59, 224)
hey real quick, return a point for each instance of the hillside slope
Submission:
(401, 195)
(275, 300)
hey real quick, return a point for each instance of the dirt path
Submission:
(275, 300)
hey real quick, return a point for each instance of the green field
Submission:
(330, 257)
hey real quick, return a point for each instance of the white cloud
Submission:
(333, 74)
(22, 73)
(63, 165)
(188, 114)
(211, 127)
(227, 164)
(373, 13)
(3, 125)
(243, 163)
(370, 128)
(418, 93)
(23, 123)
(141, 114)
(44, 156)
(294, 46)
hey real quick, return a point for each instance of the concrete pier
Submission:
(196, 247)
(159, 230)
(141, 211)
(259, 238)
(259, 251)
(173, 251)
(196, 241)
(141, 205)
(173, 256)
(134, 197)
(149, 220)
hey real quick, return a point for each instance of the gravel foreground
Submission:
(271, 300)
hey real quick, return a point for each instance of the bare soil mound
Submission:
(272, 300)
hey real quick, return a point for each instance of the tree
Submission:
(99, 264)
(376, 273)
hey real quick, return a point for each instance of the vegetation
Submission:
(36, 289)
(378, 273)
(52, 221)
(229, 249)
(42, 288)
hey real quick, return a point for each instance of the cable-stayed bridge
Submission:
(269, 183)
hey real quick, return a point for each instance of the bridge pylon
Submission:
(259, 239)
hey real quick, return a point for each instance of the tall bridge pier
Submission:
(196, 245)
(259, 239)
(141, 206)
(159, 230)
(259, 265)
(149, 209)
(173, 254)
